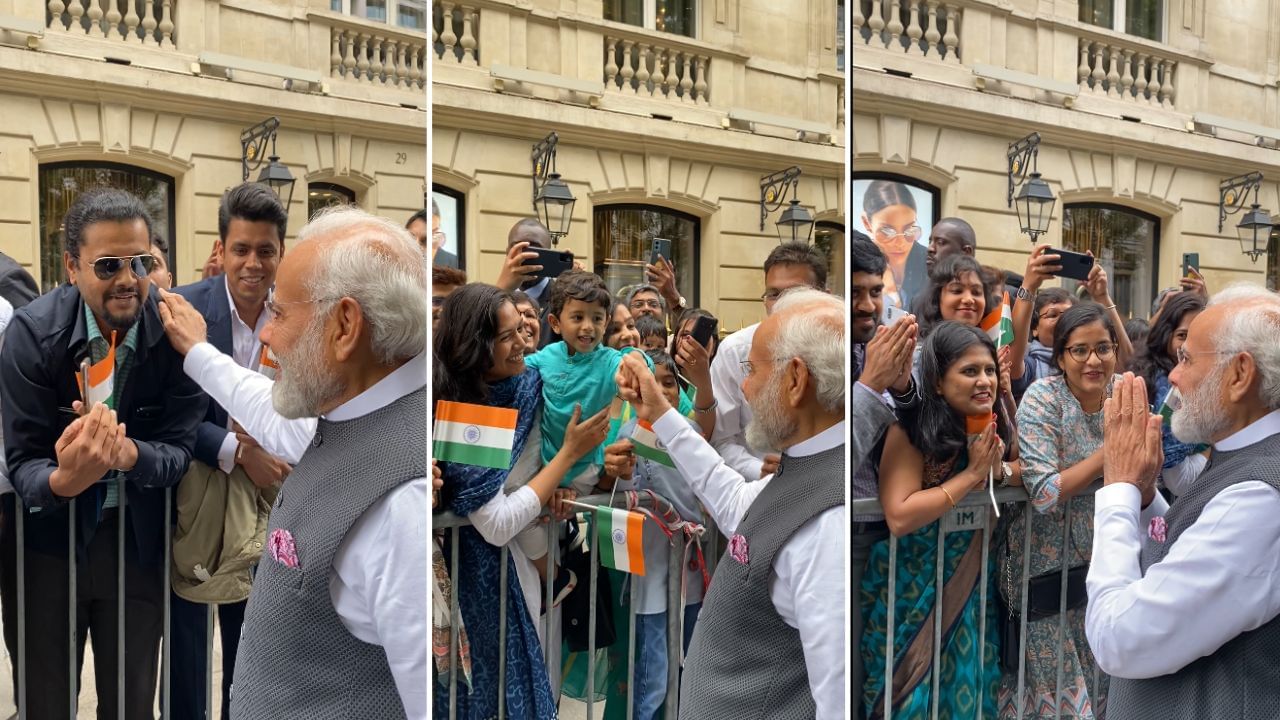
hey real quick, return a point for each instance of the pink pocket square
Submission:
(282, 548)
(1157, 529)
(738, 548)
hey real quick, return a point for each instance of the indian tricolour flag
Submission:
(648, 446)
(619, 534)
(267, 364)
(474, 434)
(101, 379)
(998, 323)
(1172, 403)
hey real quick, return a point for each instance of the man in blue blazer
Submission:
(251, 231)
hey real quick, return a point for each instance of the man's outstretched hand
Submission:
(183, 324)
(637, 386)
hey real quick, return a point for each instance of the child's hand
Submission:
(559, 504)
(619, 460)
(583, 436)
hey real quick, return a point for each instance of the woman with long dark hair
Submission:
(889, 216)
(478, 359)
(956, 291)
(1155, 360)
(1060, 433)
(927, 465)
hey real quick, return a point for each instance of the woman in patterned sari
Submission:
(926, 467)
(479, 359)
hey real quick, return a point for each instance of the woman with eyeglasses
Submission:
(1060, 433)
(1155, 360)
(889, 216)
(927, 464)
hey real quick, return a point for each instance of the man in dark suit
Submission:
(418, 226)
(16, 284)
(103, 469)
(251, 231)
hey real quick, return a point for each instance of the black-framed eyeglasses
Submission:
(108, 267)
(1081, 353)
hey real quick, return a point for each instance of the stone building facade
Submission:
(668, 114)
(153, 95)
(1143, 107)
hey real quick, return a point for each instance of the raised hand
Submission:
(889, 353)
(637, 385)
(86, 450)
(183, 324)
(1132, 451)
(514, 272)
(1040, 267)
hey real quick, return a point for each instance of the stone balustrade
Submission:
(455, 32)
(922, 28)
(651, 67)
(1128, 72)
(385, 57)
(145, 22)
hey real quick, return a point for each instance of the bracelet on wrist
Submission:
(948, 494)
(708, 408)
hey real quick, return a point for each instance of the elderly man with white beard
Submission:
(770, 641)
(1183, 600)
(336, 624)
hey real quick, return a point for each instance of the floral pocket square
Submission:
(282, 549)
(1157, 529)
(738, 548)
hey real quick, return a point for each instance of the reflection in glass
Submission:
(624, 237)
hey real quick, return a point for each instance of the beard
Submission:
(770, 425)
(1203, 414)
(121, 321)
(305, 383)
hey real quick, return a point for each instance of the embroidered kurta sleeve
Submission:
(1040, 424)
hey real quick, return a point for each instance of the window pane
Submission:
(624, 236)
(630, 12)
(335, 5)
(677, 16)
(1144, 18)
(1122, 241)
(322, 195)
(412, 14)
(840, 35)
(374, 10)
(1098, 12)
(59, 188)
(828, 238)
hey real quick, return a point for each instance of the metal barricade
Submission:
(448, 522)
(19, 664)
(974, 503)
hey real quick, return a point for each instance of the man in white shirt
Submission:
(1183, 600)
(336, 623)
(770, 641)
(789, 265)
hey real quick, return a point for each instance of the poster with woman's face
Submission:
(898, 217)
(444, 225)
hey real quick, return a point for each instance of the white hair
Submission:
(811, 328)
(1252, 327)
(377, 263)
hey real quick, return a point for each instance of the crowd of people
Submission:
(144, 426)
(1119, 621)
(593, 376)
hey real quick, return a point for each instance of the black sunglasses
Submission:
(108, 267)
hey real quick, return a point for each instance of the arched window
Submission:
(62, 183)
(1126, 243)
(828, 238)
(624, 235)
(321, 195)
(898, 213)
(449, 227)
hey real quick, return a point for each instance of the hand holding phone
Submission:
(1074, 265)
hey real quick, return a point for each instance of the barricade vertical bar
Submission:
(165, 634)
(1027, 514)
(455, 617)
(208, 661)
(553, 625)
(982, 614)
(71, 604)
(552, 543)
(631, 645)
(675, 640)
(591, 627)
(120, 634)
(888, 651)
(19, 517)
(1062, 601)
(502, 633)
(936, 699)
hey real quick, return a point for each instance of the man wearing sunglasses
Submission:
(102, 471)
(217, 541)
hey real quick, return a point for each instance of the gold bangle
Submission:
(948, 494)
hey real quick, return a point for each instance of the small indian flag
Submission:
(1172, 403)
(267, 364)
(999, 325)
(101, 379)
(474, 434)
(977, 424)
(619, 534)
(648, 446)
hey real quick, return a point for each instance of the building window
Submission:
(1143, 18)
(1125, 242)
(62, 183)
(321, 195)
(448, 227)
(679, 17)
(624, 235)
(828, 238)
(408, 14)
(840, 35)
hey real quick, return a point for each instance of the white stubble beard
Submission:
(1203, 414)
(305, 383)
(770, 426)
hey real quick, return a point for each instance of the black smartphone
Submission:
(1074, 265)
(704, 328)
(554, 262)
(1190, 261)
(660, 246)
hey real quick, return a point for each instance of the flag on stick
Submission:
(648, 446)
(474, 434)
(620, 537)
(998, 324)
(974, 426)
(1172, 403)
(101, 379)
(267, 364)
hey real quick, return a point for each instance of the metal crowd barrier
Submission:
(164, 688)
(444, 521)
(970, 508)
